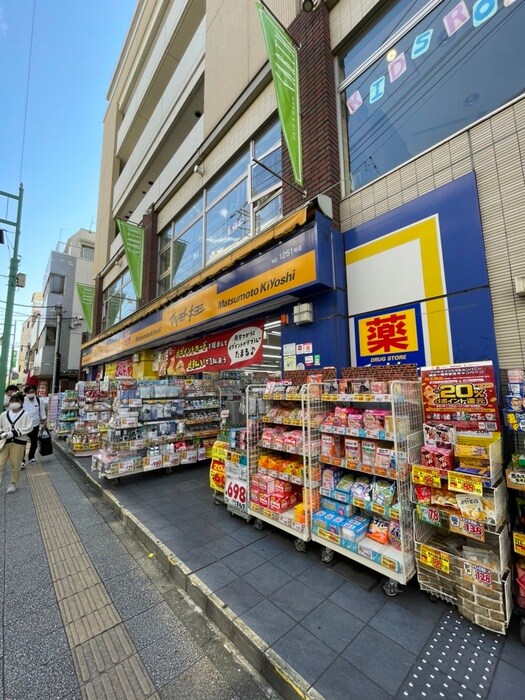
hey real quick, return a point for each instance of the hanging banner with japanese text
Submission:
(231, 349)
(282, 54)
(133, 240)
(86, 294)
(462, 395)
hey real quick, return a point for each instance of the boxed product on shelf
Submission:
(332, 446)
(355, 528)
(352, 450)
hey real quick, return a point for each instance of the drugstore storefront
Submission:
(299, 281)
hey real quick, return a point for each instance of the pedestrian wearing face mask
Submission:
(15, 426)
(9, 391)
(37, 411)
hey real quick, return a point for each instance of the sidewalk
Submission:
(312, 629)
(87, 614)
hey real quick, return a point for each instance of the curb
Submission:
(281, 676)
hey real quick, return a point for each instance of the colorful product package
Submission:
(355, 528)
(374, 419)
(331, 477)
(332, 446)
(383, 492)
(362, 488)
(394, 534)
(368, 453)
(353, 450)
(378, 530)
(423, 494)
(385, 458)
(345, 483)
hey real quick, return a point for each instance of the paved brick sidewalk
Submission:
(87, 614)
(329, 630)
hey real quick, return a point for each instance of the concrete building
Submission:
(29, 338)
(402, 244)
(70, 264)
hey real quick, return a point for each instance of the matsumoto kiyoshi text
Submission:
(262, 288)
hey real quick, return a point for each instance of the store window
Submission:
(118, 301)
(56, 284)
(441, 66)
(240, 203)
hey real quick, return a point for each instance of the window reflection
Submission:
(228, 222)
(445, 73)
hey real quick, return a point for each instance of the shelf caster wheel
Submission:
(522, 631)
(168, 470)
(327, 555)
(217, 501)
(258, 524)
(116, 482)
(433, 598)
(390, 588)
(300, 545)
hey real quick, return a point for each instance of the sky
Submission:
(64, 79)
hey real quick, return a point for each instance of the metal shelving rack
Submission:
(257, 413)
(404, 401)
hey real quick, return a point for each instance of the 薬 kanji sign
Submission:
(389, 338)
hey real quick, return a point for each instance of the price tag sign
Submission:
(468, 528)
(477, 574)
(235, 493)
(435, 559)
(429, 515)
(465, 483)
(359, 503)
(519, 542)
(426, 476)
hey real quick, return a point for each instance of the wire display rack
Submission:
(406, 438)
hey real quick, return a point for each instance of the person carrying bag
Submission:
(15, 426)
(45, 443)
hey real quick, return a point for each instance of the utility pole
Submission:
(10, 379)
(11, 287)
(59, 309)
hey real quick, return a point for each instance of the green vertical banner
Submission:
(133, 239)
(113, 310)
(282, 54)
(86, 294)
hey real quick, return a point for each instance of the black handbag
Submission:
(45, 444)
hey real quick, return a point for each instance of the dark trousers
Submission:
(33, 441)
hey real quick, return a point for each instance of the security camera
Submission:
(310, 5)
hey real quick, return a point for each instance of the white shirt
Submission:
(36, 411)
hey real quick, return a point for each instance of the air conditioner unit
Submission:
(519, 286)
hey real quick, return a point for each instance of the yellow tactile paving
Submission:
(106, 660)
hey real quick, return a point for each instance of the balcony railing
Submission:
(84, 252)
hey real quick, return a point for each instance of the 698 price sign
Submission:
(235, 493)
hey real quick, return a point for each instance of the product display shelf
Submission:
(157, 425)
(512, 382)
(68, 411)
(462, 544)
(94, 413)
(279, 459)
(481, 591)
(383, 456)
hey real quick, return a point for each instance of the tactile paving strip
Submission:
(458, 661)
(106, 661)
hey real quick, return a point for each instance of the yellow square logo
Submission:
(395, 332)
